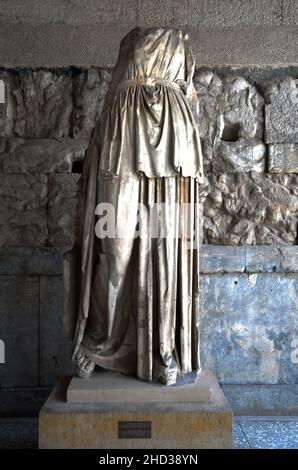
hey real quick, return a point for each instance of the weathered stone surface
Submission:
(23, 216)
(231, 117)
(250, 209)
(290, 12)
(173, 426)
(19, 310)
(228, 12)
(90, 87)
(42, 103)
(263, 400)
(6, 121)
(249, 322)
(37, 12)
(188, 12)
(243, 155)
(230, 123)
(251, 259)
(106, 12)
(52, 103)
(271, 259)
(31, 261)
(40, 155)
(210, 90)
(283, 158)
(32, 11)
(259, 76)
(60, 45)
(156, 12)
(281, 111)
(243, 109)
(214, 259)
(54, 348)
(112, 387)
(63, 208)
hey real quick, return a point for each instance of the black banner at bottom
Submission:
(130, 459)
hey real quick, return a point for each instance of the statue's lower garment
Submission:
(144, 307)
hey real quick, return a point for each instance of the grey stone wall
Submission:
(250, 202)
(59, 33)
(249, 325)
(56, 72)
(248, 127)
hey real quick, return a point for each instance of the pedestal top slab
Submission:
(111, 387)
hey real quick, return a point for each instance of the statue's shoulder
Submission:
(139, 33)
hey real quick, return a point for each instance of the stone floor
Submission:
(250, 432)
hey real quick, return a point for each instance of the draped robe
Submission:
(132, 304)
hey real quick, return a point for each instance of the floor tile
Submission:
(271, 434)
(239, 439)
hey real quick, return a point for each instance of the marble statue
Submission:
(137, 297)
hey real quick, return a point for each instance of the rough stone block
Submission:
(41, 155)
(89, 89)
(281, 111)
(23, 216)
(19, 311)
(54, 348)
(242, 155)
(243, 111)
(116, 425)
(52, 103)
(42, 103)
(283, 158)
(31, 261)
(6, 121)
(264, 400)
(63, 208)
(230, 123)
(249, 323)
(250, 209)
(214, 259)
(271, 259)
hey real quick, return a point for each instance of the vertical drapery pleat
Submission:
(144, 312)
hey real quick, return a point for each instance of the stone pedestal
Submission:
(112, 411)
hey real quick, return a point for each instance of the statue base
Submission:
(112, 411)
(111, 387)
